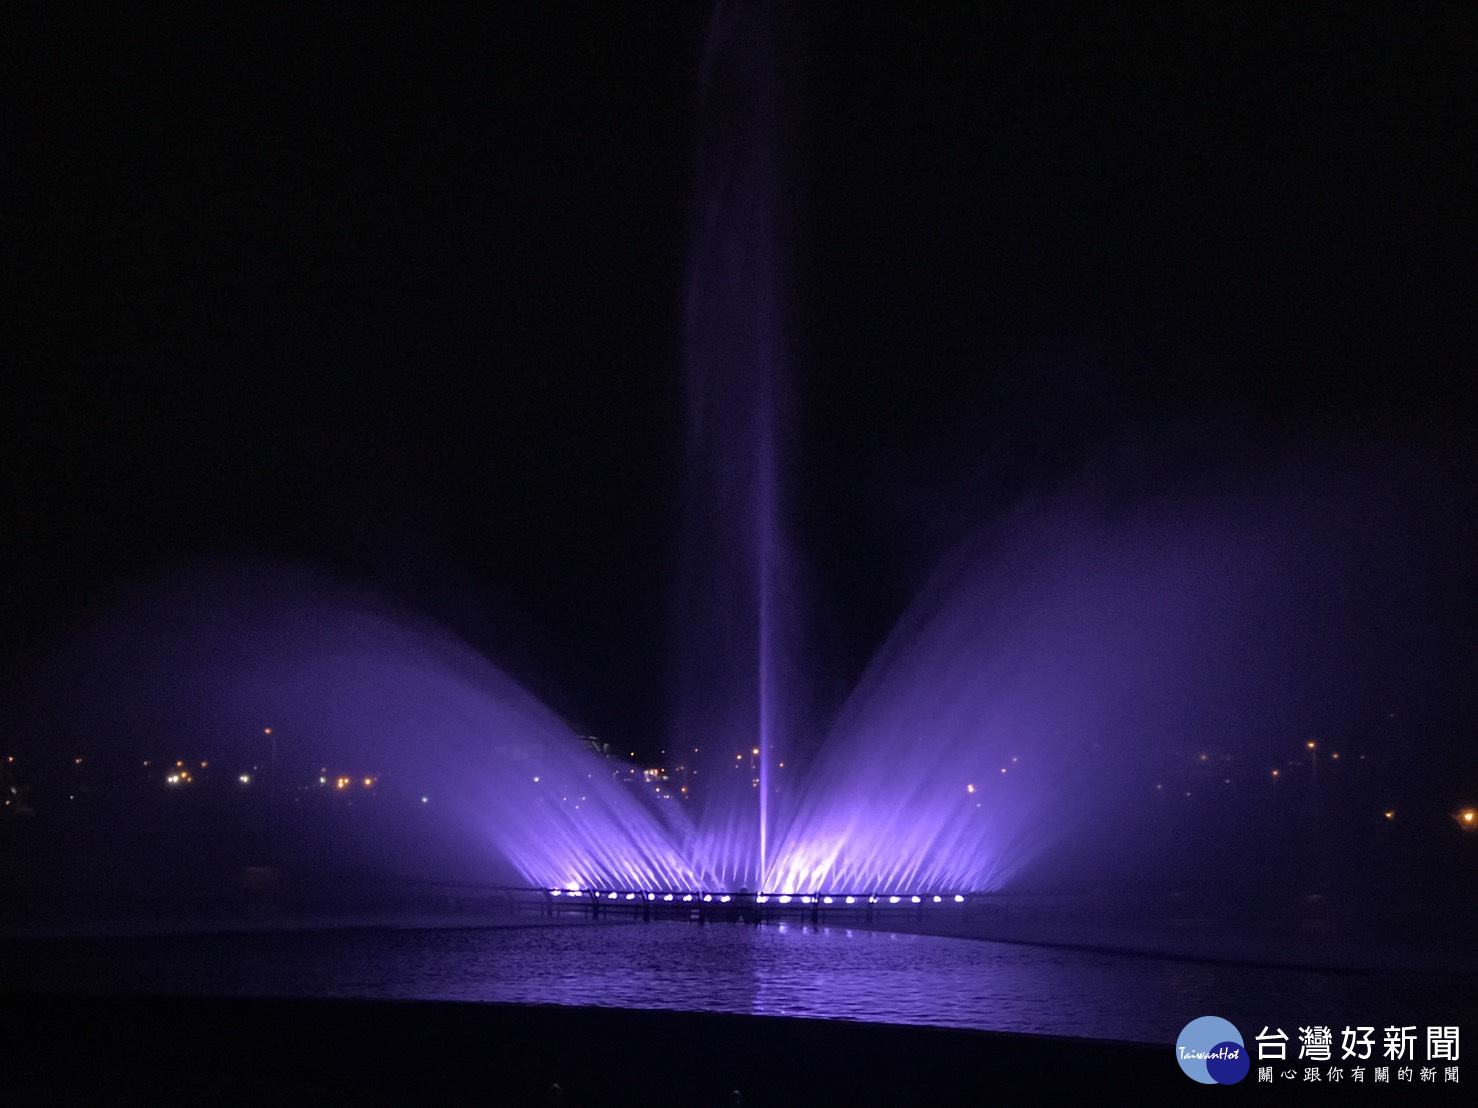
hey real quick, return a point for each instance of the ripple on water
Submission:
(831, 973)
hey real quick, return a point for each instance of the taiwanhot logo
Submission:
(1211, 1051)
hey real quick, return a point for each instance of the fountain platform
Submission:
(840, 908)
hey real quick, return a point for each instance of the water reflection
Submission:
(786, 970)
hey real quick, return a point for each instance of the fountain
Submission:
(308, 690)
(1024, 709)
(1013, 725)
(1018, 702)
(735, 669)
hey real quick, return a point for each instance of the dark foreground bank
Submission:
(164, 1050)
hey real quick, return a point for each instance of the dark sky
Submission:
(397, 292)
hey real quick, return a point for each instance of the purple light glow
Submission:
(1075, 644)
(737, 662)
(1069, 646)
(351, 682)
(1062, 647)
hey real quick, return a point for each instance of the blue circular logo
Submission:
(1228, 1063)
(1210, 1050)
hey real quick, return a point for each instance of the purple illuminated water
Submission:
(355, 691)
(826, 973)
(1039, 683)
(1017, 706)
(736, 666)
(1016, 717)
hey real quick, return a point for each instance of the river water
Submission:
(773, 970)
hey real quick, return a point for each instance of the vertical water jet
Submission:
(731, 671)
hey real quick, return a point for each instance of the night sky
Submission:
(395, 291)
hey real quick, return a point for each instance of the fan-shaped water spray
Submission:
(298, 675)
(1018, 703)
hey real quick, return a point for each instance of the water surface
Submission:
(775, 970)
